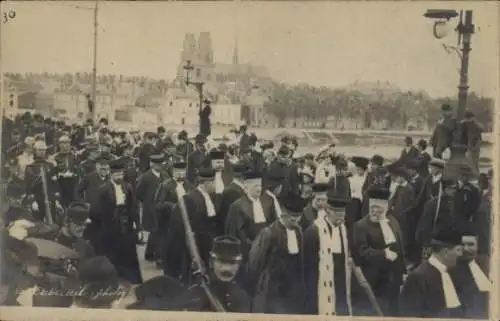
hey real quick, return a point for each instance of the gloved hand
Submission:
(35, 207)
(390, 255)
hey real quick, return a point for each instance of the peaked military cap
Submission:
(226, 248)
(320, 187)
(179, 165)
(78, 212)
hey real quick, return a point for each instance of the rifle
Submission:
(196, 258)
(48, 211)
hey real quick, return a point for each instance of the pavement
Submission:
(148, 269)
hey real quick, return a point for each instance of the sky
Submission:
(321, 43)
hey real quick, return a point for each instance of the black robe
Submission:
(422, 295)
(117, 236)
(385, 277)
(275, 277)
(474, 301)
(232, 192)
(165, 201)
(240, 223)
(177, 255)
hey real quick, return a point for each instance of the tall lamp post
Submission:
(465, 30)
(197, 84)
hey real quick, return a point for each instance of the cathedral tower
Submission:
(205, 51)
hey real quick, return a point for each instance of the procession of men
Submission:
(239, 227)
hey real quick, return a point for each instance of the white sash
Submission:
(291, 241)
(258, 211)
(208, 203)
(326, 286)
(450, 293)
(179, 189)
(219, 183)
(387, 232)
(481, 280)
(119, 195)
(277, 207)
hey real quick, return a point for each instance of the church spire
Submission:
(236, 59)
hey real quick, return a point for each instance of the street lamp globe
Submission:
(442, 27)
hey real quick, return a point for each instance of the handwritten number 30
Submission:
(11, 14)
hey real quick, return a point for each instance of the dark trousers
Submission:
(151, 254)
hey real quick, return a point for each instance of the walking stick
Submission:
(358, 273)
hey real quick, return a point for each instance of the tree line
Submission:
(397, 108)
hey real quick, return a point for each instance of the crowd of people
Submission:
(237, 227)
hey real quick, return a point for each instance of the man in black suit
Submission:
(145, 193)
(409, 152)
(442, 136)
(120, 221)
(196, 158)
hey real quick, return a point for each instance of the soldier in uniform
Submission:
(327, 267)
(275, 277)
(65, 153)
(119, 223)
(202, 206)
(429, 291)
(66, 179)
(34, 182)
(379, 251)
(71, 231)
